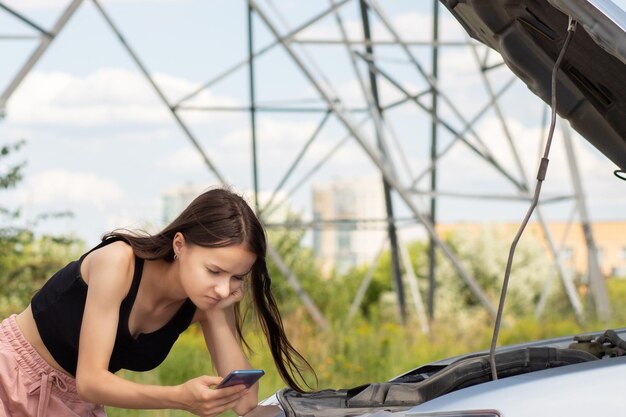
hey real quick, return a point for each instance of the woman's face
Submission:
(211, 275)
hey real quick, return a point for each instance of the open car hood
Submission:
(440, 388)
(591, 89)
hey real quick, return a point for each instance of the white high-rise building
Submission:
(175, 199)
(352, 222)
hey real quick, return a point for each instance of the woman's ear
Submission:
(178, 243)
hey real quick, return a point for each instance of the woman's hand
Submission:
(235, 296)
(200, 399)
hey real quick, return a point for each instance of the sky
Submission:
(101, 144)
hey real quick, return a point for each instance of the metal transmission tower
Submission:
(404, 116)
(41, 35)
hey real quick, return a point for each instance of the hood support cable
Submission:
(541, 175)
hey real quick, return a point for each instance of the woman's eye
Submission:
(239, 278)
(213, 272)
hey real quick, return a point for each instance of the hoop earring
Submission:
(175, 257)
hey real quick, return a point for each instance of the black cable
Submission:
(620, 173)
(541, 175)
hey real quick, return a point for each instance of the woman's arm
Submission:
(109, 273)
(218, 327)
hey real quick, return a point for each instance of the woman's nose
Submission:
(222, 288)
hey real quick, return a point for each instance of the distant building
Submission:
(175, 199)
(610, 241)
(350, 222)
(609, 238)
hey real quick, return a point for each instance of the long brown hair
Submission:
(219, 218)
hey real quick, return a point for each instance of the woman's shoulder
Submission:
(117, 252)
(116, 261)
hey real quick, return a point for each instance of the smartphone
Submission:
(246, 377)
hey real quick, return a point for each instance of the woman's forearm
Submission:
(223, 343)
(109, 389)
(227, 353)
(196, 395)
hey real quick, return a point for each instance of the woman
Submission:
(123, 304)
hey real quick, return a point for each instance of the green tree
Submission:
(26, 259)
(301, 262)
(331, 293)
(484, 256)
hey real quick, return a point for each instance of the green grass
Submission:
(350, 355)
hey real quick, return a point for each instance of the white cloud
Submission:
(278, 143)
(414, 25)
(323, 31)
(106, 97)
(473, 173)
(409, 26)
(272, 133)
(186, 159)
(351, 94)
(65, 188)
(138, 215)
(24, 5)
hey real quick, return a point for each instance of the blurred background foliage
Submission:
(26, 259)
(370, 346)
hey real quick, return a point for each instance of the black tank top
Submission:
(58, 310)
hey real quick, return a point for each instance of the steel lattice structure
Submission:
(411, 191)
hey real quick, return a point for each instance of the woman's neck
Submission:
(161, 282)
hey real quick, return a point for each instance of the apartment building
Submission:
(350, 223)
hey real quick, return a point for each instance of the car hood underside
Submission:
(418, 387)
(591, 86)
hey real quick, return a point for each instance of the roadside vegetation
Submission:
(370, 346)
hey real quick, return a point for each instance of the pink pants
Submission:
(29, 387)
